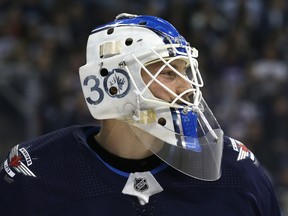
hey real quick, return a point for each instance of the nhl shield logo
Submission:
(140, 184)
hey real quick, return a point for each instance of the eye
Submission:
(168, 74)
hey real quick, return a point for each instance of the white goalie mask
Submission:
(118, 54)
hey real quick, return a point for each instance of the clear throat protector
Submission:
(188, 144)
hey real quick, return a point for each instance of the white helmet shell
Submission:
(117, 54)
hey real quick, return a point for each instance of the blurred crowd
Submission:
(243, 58)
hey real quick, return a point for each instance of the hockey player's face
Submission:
(169, 78)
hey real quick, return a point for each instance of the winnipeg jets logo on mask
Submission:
(117, 83)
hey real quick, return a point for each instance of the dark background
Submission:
(243, 57)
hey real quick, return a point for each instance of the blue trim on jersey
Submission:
(126, 174)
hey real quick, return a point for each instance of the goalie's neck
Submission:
(124, 140)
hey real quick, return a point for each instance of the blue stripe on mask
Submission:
(185, 126)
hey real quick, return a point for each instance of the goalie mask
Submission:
(119, 55)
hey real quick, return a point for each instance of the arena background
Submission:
(243, 59)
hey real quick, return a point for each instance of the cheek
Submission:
(159, 92)
(155, 89)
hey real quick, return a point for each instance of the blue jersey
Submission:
(65, 173)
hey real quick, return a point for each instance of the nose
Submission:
(184, 88)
